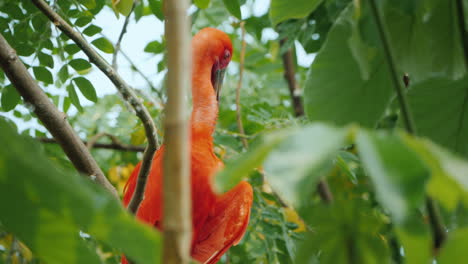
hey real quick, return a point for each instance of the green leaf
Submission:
(63, 74)
(415, 238)
(397, 172)
(154, 47)
(92, 30)
(56, 204)
(449, 180)
(233, 7)
(103, 44)
(80, 64)
(440, 111)
(83, 21)
(454, 248)
(349, 98)
(235, 171)
(123, 6)
(43, 74)
(156, 8)
(90, 4)
(425, 38)
(71, 49)
(10, 98)
(202, 4)
(46, 60)
(303, 156)
(281, 10)
(86, 88)
(74, 99)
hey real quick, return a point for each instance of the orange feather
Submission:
(219, 221)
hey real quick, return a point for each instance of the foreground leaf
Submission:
(397, 172)
(46, 208)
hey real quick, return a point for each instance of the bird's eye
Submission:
(227, 54)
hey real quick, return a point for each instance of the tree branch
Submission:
(115, 145)
(437, 226)
(127, 93)
(462, 30)
(176, 173)
(121, 35)
(239, 86)
(50, 116)
(289, 74)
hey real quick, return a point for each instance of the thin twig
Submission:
(437, 226)
(239, 86)
(119, 40)
(148, 81)
(177, 204)
(54, 120)
(462, 30)
(289, 74)
(125, 90)
(115, 145)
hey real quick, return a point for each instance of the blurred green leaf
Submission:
(80, 64)
(63, 74)
(156, 8)
(56, 205)
(154, 47)
(74, 99)
(86, 88)
(46, 60)
(281, 10)
(43, 74)
(202, 4)
(71, 49)
(240, 168)
(454, 249)
(83, 21)
(398, 174)
(104, 45)
(233, 7)
(304, 155)
(123, 6)
(10, 98)
(92, 30)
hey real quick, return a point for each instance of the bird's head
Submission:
(216, 47)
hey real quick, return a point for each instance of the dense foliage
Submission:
(355, 136)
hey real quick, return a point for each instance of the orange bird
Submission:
(219, 221)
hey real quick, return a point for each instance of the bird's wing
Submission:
(226, 226)
(150, 207)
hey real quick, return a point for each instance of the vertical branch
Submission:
(462, 30)
(437, 226)
(289, 74)
(239, 86)
(119, 40)
(55, 121)
(176, 173)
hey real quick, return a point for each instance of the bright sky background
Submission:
(138, 35)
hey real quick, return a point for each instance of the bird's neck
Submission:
(205, 105)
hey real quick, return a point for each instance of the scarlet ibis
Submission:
(219, 221)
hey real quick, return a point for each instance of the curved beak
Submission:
(217, 77)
